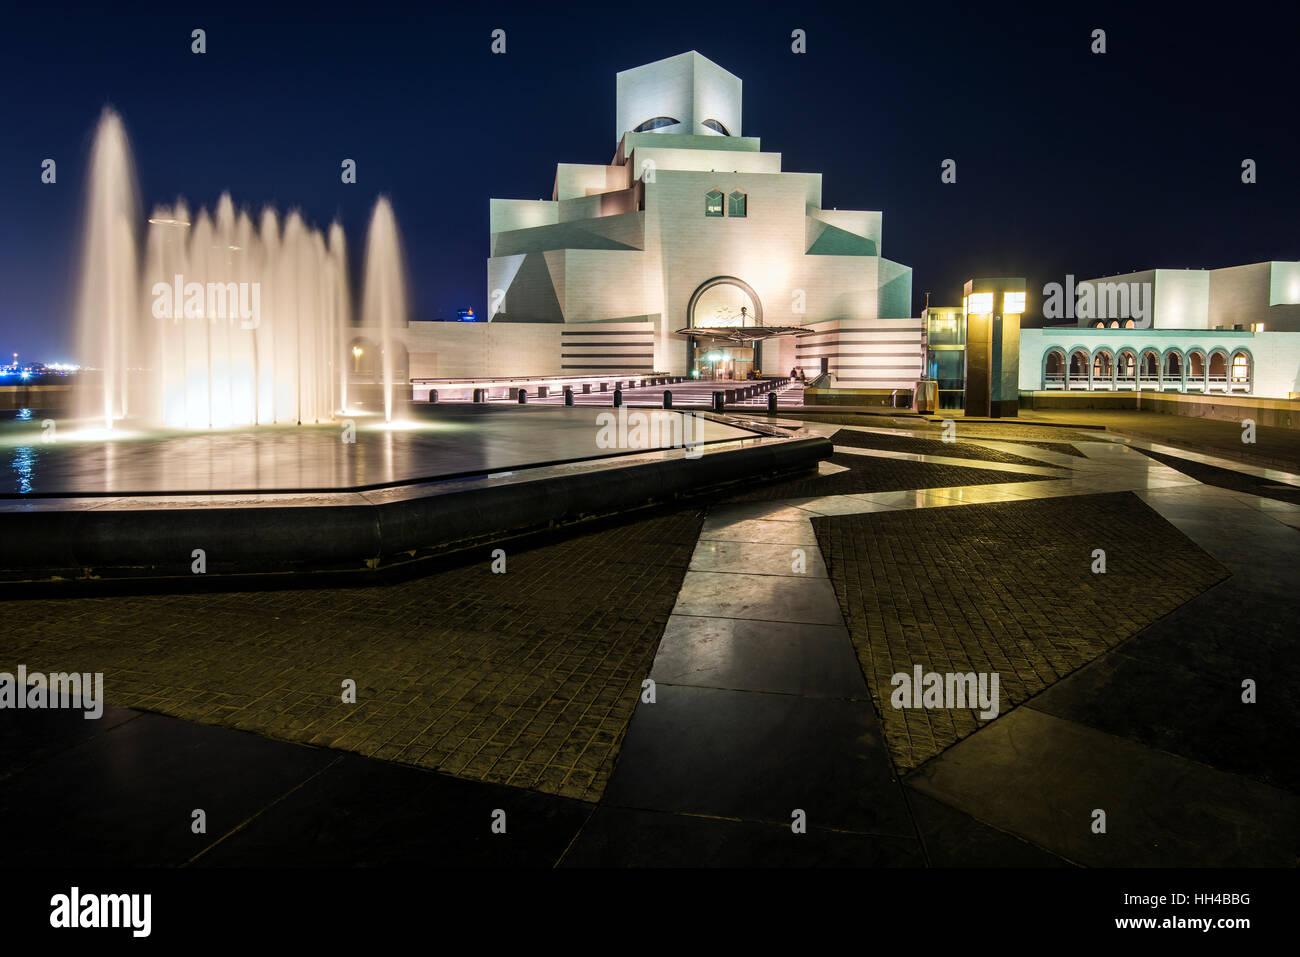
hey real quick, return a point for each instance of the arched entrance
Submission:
(719, 303)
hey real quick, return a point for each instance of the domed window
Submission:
(715, 126)
(713, 203)
(656, 123)
(736, 203)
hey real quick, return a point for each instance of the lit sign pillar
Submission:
(993, 308)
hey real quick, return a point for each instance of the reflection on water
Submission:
(24, 466)
(24, 463)
(442, 442)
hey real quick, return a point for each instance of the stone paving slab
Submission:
(759, 757)
(922, 446)
(865, 473)
(1229, 479)
(1043, 777)
(769, 656)
(623, 837)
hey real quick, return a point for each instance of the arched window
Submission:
(1241, 367)
(658, 122)
(1055, 363)
(1114, 323)
(715, 126)
(736, 203)
(1101, 365)
(1173, 366)
(1196, 365)
(1128, 324)
(713, 203)
(1126, 365)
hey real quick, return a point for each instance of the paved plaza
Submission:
(771, 621)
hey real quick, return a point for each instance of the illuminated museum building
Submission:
(690, 226)
(693, 253)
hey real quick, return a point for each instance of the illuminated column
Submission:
(993, 309)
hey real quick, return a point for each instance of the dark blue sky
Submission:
(1067, 162)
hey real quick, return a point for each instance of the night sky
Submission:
(1067, 162)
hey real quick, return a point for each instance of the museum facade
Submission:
(691, 252)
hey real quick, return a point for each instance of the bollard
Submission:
(719, 401)
(433, 396)
(668, 399)
(618, 397)
(480, 396)
(568, 396)
(771, 402)
(523, 396)
(586, 388)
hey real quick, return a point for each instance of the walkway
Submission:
(762, 708)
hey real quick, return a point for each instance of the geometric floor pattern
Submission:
(767, 626)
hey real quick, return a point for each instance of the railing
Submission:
(1054, 380)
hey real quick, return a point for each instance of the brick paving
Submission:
(1273, 446)
(919, 446)
(526, 678)
(875, 474)
(1005, 587)
(1229, 479)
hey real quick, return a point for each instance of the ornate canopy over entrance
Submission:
(726, 329)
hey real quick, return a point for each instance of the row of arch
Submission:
(1192, 370)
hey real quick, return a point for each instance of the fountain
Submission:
(384, 305)
(216, 341)
(226, 323)
(106, 305)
